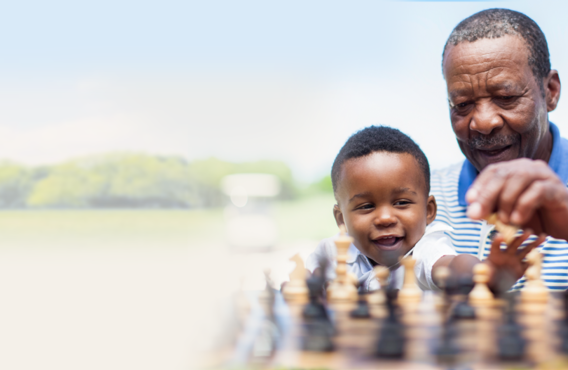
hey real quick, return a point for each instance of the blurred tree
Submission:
(15, 184)
(129, 180)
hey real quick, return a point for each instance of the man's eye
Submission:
(462, 105)
(507, 99)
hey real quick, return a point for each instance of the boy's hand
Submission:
(510, 261)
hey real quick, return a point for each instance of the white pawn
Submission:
(534, 291)
(378, 296)
(410, 293)
(296, 290)
(481, 296)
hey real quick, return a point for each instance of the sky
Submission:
(240, 81)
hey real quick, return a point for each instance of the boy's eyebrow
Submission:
(403, 190)
(360, 195)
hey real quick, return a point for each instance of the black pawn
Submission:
(448, 349)
(391, 336)
(315, 308)
(362, 309)
(318, 329)
(463, 309)
(511, 343)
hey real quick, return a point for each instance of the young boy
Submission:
(381, 182)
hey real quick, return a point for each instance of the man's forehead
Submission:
(483, 54)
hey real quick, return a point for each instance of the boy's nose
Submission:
(385, 218)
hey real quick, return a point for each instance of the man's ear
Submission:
(431, 210)
(552, 90)
(338, 216)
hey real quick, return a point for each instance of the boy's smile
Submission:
(383, 202)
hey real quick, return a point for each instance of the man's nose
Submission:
(385, 217)
(485, 118)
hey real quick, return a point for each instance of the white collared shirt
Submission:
(433, 245)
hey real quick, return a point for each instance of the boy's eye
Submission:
(402, 202)
(365, 206)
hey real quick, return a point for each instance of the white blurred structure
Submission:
(250, 225)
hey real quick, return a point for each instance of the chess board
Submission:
(355, 340)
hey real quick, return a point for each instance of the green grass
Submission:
(305, 219)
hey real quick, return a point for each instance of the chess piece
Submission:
(391, 337)
(410, 294)
(481, 296)
(511, 343)
(463, 310)
(534, 292)
(508, 232)
(378, 296)
(315, 308)
(448, 348)
(317, 329)
(441, 276)
(296, 290)
(342, 288)
(362, 309)
(268, 335)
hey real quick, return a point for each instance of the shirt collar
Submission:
(558, 162)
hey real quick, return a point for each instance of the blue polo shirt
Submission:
(450, 185)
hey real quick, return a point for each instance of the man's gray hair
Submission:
(494, 23)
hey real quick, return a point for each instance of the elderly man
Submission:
(500, 90)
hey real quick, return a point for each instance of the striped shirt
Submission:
(474, 237)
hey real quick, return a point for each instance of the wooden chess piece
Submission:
(508, 232)
(410, 294)
(534, 292)
(441, 276)
(481, 296)
(296, 290)
(342, 288)
(378, 296)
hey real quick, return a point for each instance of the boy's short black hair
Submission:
(379, 139)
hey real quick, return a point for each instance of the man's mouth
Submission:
(494, 153)
(388, 242)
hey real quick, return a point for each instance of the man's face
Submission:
(497, 108)
(383, 203)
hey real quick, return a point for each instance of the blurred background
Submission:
(156, 156)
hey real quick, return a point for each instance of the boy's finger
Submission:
(496, 245)
(514, 246)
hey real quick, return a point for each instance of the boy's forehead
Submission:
(377, 164)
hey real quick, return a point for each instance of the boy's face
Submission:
(383, 203)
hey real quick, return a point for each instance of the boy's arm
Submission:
(509, 261)
(460, 265)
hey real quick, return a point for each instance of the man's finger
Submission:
(537, 195)
(484, 192)
(499, 186)
(512, 189)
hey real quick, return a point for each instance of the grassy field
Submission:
(305, 219)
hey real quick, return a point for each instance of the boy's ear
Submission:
(431, 209)
(338, 216)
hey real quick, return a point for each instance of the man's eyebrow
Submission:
(403, 190)
(360, 195)
(459, 92)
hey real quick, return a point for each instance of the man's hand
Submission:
(510, 260)
(523, 192)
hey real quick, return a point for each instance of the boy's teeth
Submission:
(387, 241)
